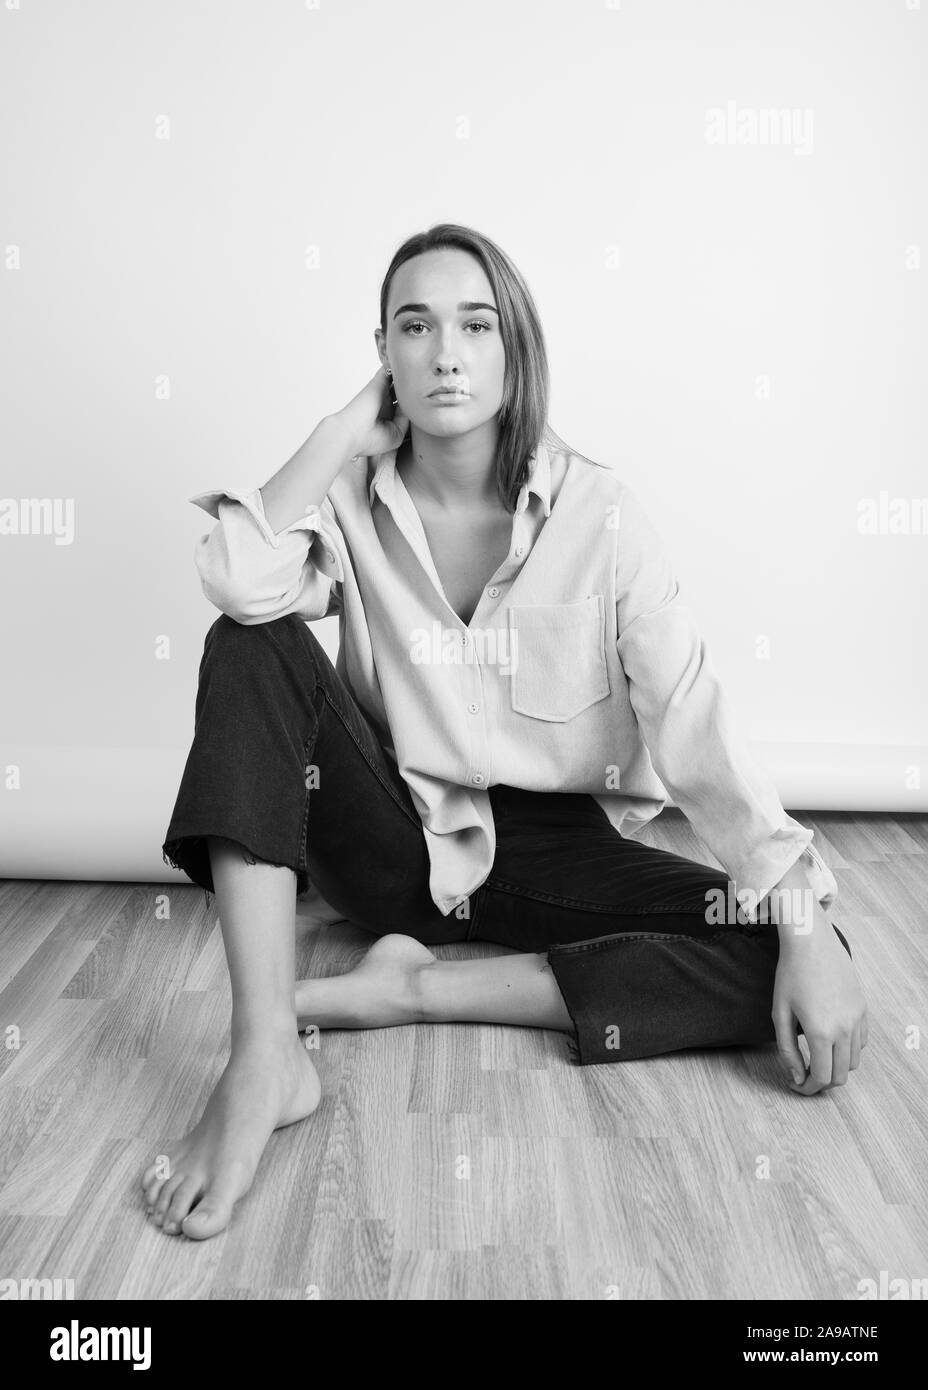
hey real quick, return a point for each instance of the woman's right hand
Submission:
(370, 422)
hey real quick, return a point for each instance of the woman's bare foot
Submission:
(385, 989)
(267, 1083)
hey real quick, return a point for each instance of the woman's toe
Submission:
(152, 1192)
(159, 1170)
(214, 1212)
(166, 1195)
(181, 1202)
(209, 1218)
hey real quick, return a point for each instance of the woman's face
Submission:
(437, 338)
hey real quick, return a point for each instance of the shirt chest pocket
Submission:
(558, 658)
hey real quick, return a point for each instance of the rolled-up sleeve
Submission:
(697, 747)
(256, 575)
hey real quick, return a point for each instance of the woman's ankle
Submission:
(275, 1034)
(428, 992)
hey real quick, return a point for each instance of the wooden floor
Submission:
(457, 1161)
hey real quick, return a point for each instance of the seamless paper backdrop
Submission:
(721, 210)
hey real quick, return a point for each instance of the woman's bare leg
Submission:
(269, 1080)
(400, 981)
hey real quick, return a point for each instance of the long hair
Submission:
(523, 414)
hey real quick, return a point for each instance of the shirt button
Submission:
(520, 549)
(494, 592)
(464, 639)
(478, 778)
(473, 708)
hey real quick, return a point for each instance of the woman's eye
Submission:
(417, 323)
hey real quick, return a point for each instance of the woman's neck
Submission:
(449, 473)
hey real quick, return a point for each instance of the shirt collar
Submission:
(383, 482)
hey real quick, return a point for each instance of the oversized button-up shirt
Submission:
(581, 669)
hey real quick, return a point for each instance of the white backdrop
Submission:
(721, 209)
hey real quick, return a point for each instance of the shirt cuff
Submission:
(313, 520)
(752, 888)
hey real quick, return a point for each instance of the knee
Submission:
(256, 645)
(227, 632)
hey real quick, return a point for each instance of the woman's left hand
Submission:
(817, 984)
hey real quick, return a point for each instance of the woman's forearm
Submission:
(306, 478)
(794, 907)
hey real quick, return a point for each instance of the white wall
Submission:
(738, 328)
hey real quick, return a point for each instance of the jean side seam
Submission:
(321, 685)
(599, 943)
(304, 824)
(574, 1044)
(391, 791)
(583, 904)
(388, 788)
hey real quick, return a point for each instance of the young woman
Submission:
(516, 670)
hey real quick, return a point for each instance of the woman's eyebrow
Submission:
(466, 305)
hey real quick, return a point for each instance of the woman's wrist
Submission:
(339, 430)
(794, 908)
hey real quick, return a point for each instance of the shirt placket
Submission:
(485, 614)
(475, 771)
(471, 692)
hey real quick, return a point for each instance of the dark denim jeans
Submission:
(286, 763)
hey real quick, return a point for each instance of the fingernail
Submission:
(797, 1078)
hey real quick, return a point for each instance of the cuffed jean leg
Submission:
(286, 763)
(640, 994)
(630, 931)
